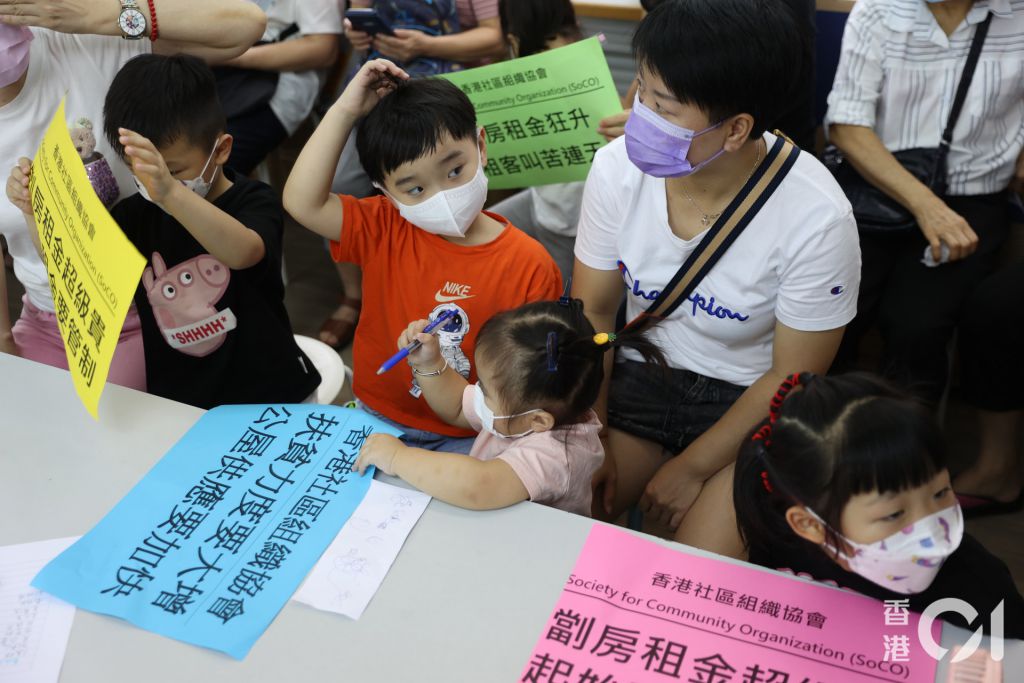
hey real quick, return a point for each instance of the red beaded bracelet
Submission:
(154, 30)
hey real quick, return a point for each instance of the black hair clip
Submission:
(552, 348)
(565, 299)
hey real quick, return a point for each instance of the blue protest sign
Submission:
(209, 546)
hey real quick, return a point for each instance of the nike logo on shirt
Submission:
(452, 291)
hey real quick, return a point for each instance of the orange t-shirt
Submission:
(410, 274)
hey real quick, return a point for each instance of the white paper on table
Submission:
(34, 626)
(354, 566)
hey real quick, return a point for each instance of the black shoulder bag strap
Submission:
(734, 219)
(958, 101)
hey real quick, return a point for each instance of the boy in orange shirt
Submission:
(425, 245)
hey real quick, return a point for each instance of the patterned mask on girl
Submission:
(907, 561)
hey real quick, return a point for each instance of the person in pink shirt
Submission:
(540, 368)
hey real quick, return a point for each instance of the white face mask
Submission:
(907, 561)
(448, 213)
(198, 185)
(487, 416)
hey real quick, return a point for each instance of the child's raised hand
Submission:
(374, 81)
(17, 186)
(148, 166)
(379, 450)
(427, 358)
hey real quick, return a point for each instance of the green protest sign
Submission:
(540, 113)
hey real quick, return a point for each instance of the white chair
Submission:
(330, 366)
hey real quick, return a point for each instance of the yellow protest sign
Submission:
(92, 266)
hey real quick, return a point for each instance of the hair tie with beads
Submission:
(764, 434)
(794, 380)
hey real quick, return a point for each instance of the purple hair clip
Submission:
(552, 348)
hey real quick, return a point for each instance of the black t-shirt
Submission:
(971, 573)
(212, 335)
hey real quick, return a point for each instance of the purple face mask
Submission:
(659, 148)
(14, 45)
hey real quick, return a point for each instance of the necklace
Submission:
(706, 219)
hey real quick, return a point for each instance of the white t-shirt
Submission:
(297, 90)
(797, 262)
(82, 66)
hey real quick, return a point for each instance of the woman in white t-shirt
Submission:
(777, 301)
(58, 58)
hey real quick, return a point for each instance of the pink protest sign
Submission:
(633, 610)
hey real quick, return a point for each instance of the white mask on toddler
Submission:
(487, 416)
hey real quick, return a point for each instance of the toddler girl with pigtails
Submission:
(846, 480)
(540, 368)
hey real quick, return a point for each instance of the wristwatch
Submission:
(131, 21)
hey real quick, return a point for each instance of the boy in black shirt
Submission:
(211, 302)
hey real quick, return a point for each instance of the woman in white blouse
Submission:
(899, 68)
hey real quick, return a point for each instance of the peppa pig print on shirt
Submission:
(184, 299)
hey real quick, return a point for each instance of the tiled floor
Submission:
(313, 290)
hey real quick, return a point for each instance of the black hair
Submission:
(164, 98)
(536, 22)
(834, 438)
(410, 123)
(550, 358)
(726, 57)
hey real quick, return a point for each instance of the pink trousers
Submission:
(38, 338)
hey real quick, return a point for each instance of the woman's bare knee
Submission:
(711, 523)
(636, 461)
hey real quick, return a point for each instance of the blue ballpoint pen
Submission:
(402, 354)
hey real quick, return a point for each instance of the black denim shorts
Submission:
(670, 407)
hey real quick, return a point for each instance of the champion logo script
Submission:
(452, 291)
